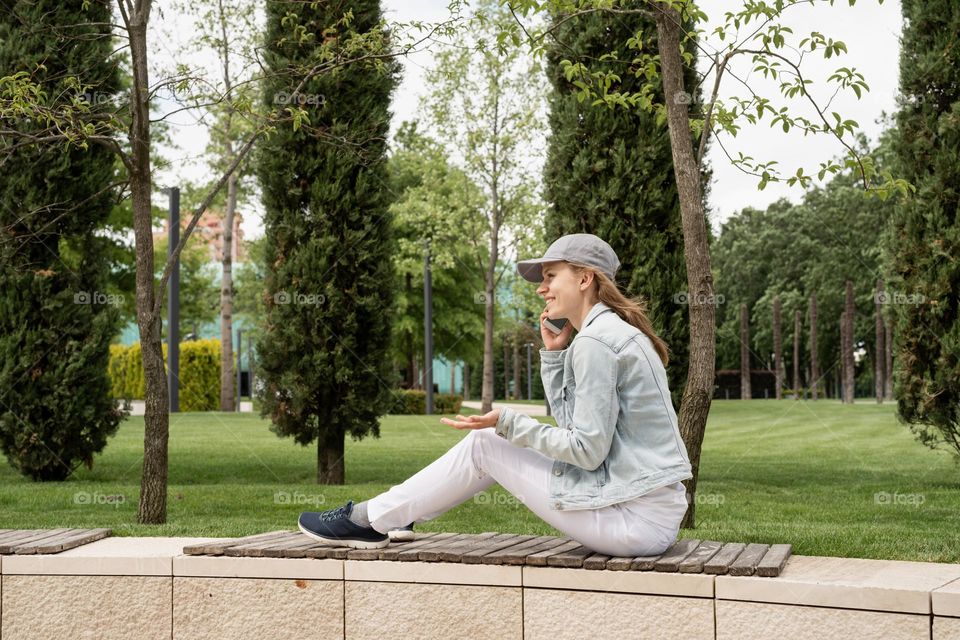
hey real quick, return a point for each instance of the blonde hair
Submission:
(633, 310)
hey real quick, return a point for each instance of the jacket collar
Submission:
(597, 309)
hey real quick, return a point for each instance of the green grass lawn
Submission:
(830, 479)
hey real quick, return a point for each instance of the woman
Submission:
(608, 475)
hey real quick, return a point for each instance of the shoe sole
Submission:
(401, 536)
(343, 542)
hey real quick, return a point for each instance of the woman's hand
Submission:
(474, 422)
(555, 341)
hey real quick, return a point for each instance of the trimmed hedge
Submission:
(199, 373)
(414, 402)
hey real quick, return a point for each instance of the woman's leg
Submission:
(481, 459)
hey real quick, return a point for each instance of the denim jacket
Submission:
(617, 436)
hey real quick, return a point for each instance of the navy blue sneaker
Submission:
(402, 534)
(335, 527)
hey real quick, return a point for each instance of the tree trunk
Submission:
(888, 348)
(841, 391)
(796, 354)
(745, 393)
(777, 348)
(814, 360)
(698, 392)
(849, 369)
(453, 377)
(879, 350)
(466, 380)
(330, 458)
(152, 508)
(486, 395)
(227, 400)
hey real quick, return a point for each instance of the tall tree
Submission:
(610, 172)
(436, 201)
(925, 241)
(226, 30)
(324, 353)
(485, 107)
(56, 317)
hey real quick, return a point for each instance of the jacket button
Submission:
(557, 472)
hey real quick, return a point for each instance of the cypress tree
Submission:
(925, 239)
(56, 319)
(610, 172)
(324, 352)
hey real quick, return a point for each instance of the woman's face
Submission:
(560, 289)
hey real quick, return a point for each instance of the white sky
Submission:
(870, 30)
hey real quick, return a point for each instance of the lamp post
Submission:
(427, 329)
(173, 303)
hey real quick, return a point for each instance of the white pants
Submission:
(640, 527)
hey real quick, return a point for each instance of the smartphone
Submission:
(555, 324)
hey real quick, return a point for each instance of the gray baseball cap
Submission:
(584, 248)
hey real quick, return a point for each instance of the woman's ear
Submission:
(586, 279)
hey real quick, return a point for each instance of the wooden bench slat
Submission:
(451, 550)
(644, 563)
(455, 547)
(390, 552)
(619, 563)
(517, 554)
(278, 548)
(720, 563)
(495, 543)
(572, 558)
(42, 535)
(256, 549)
(67, 541)
(672, 557)
(217, 547)
(746, 562)
(596, 561)
(12, 535)
(539, 558)
(409, 555)
(774, 560)
(694, 562)
(298, 550)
